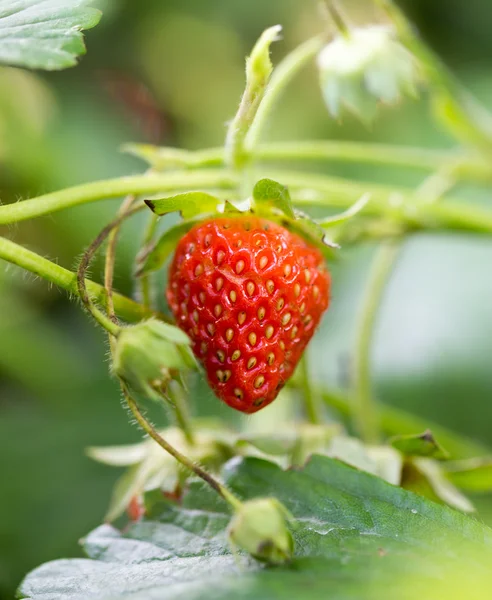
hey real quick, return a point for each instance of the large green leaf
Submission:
(356, 537)
(44, 34)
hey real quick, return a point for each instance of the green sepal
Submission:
(188, 204)
(273, 195)
(423, 444)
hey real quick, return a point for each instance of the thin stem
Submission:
(67, 280)
(311, 400)
(308, 189)
(181, 411)
(234, 502)
(144, 281)
(111, 256)
(366, 412)
(285, 71)
(114, 188)
(471, 166)
(337, 18)
(399, 203)
(110, 326)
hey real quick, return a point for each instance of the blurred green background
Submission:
(172, 72)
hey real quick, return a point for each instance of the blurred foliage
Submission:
(172, 72)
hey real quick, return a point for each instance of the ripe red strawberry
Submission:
(250, 294)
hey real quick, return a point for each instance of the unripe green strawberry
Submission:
(250, 294)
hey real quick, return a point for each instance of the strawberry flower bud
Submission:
(260, 527)
(364, 68)
(148, 355)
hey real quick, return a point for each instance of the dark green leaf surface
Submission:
(44, 34)
(355, 537)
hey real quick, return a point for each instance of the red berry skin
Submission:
(250, 295)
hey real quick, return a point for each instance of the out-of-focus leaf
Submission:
(297, 444)
(426, 477)
(355, 537)
(118, 456)
(423, 444)
(189, 204)
(381, 461)
(473, 475)
(395, 420)
(44, 34)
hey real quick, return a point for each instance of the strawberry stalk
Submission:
(143, 282)
(111, 255)
(110, 321)
(106, 322)
(311, 399)
(188, 464)
(366, 413)
(67, 280)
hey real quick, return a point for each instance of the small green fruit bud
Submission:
(260, 527)
(367, 67)
(148, 355)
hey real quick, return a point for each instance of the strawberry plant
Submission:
(371, 505)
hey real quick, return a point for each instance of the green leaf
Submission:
(426, 477)
(44, 34)
(273, 195)
(189, 204)
(473, 475)
(423, 444)
(154, 257)
(356, 537)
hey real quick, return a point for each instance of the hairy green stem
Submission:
(181, 410)
(111, 257)
(284, 72)
(144, 281)
(114, 188)
(22, 257)
(366, 412)
(109, 324)
(307, 189)
(228, 496)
